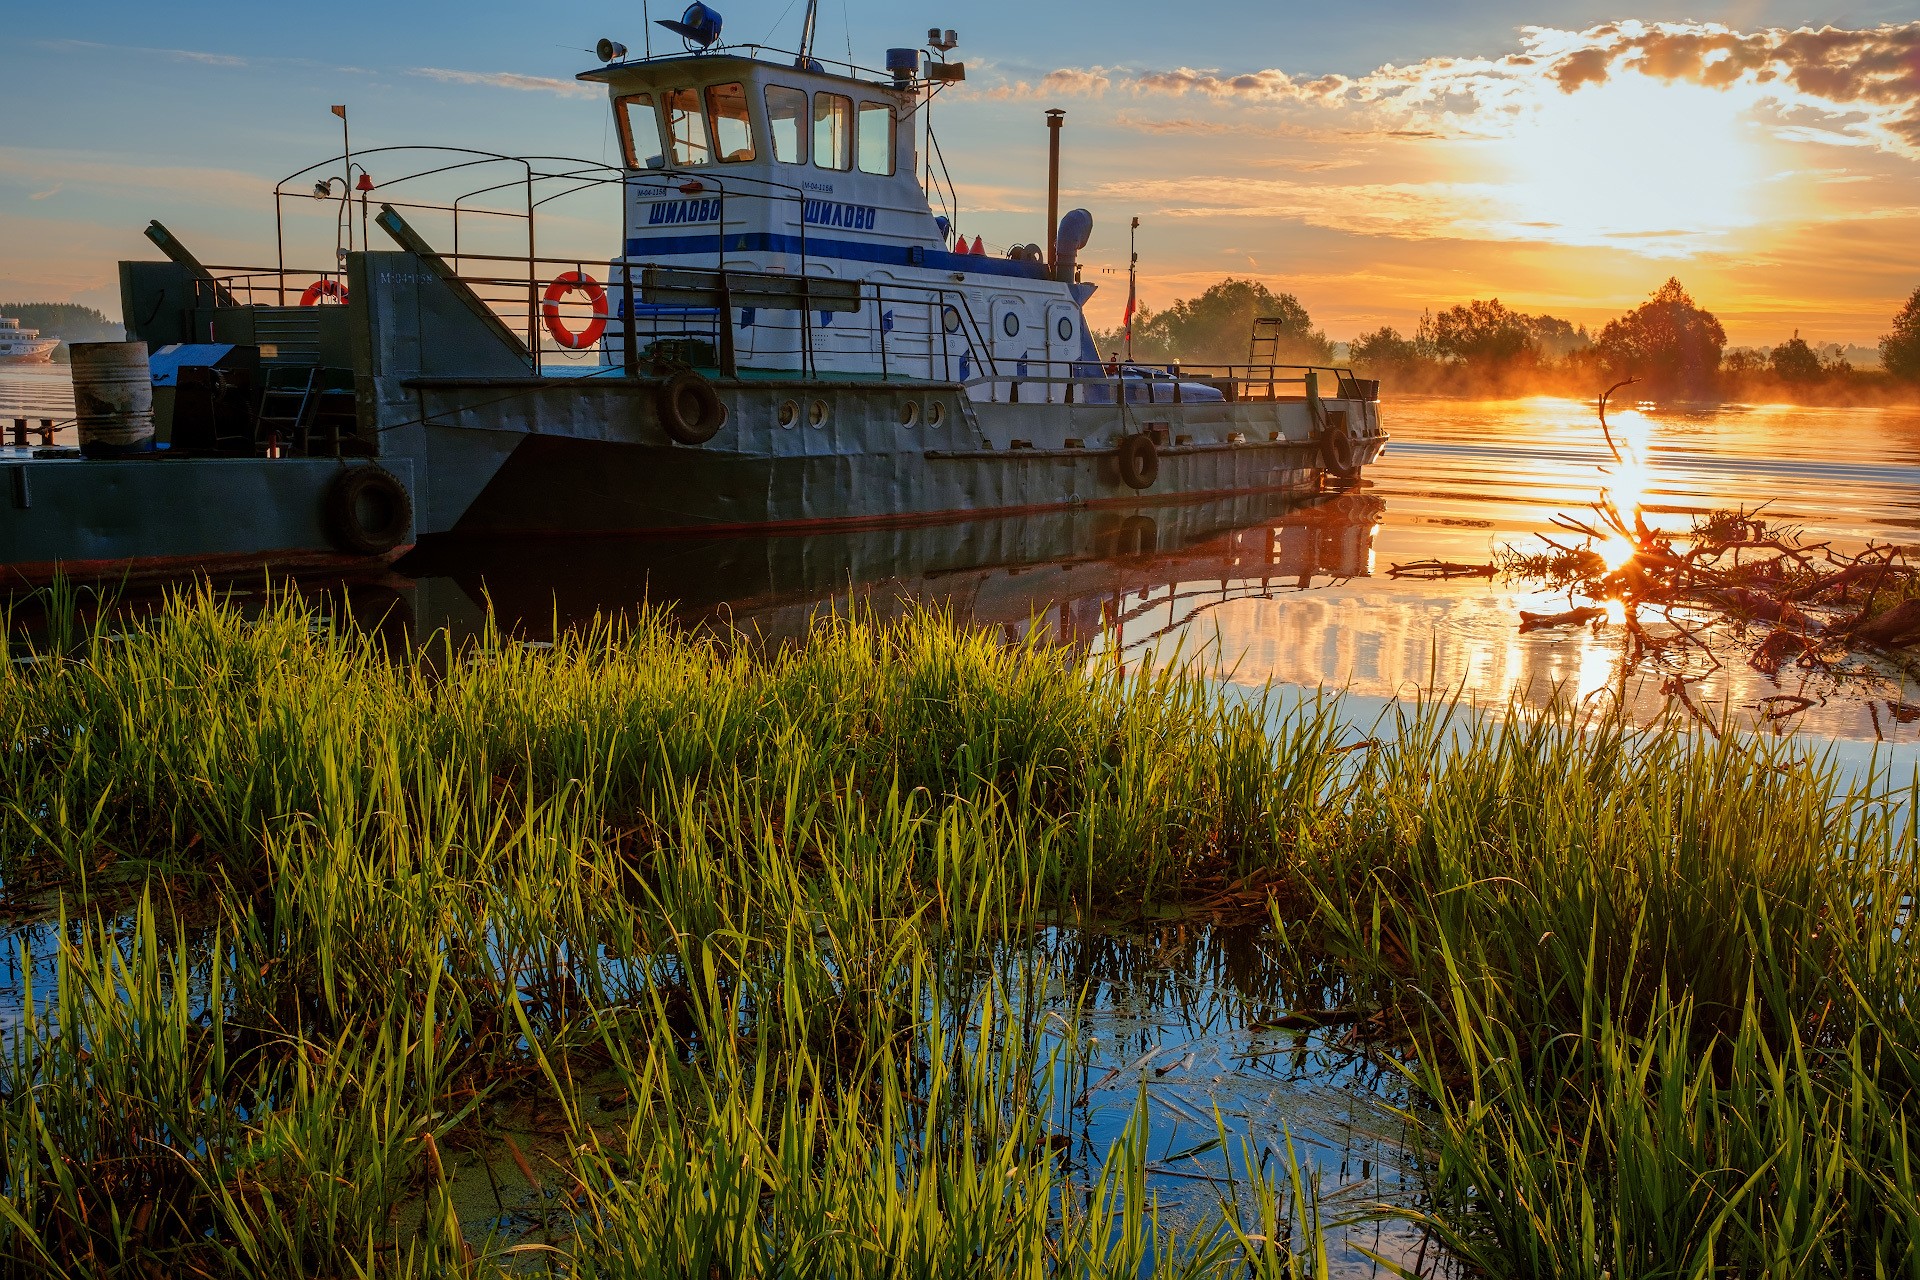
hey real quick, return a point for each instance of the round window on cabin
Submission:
(1010, 324)
(909, 413)
(1064, 329)
(951, 318)
(789, 412)
(817, 415)
(936, 413)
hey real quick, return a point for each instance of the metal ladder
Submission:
(285, 408)
(1263, 347)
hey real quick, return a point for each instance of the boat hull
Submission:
(145, 518)
(577, 456)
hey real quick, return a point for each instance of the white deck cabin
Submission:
(738, 162)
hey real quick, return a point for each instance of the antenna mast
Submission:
(806, 32)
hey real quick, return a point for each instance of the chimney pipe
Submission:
(1054, 119)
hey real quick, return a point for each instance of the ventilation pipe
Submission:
(1075, 230)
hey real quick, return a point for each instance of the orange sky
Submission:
(1775, 172)
(1774, 169)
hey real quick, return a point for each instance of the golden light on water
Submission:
(1615, 551)
(1627, 482)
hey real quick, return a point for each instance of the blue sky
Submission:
(186, 112)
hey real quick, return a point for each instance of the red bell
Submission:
(366, 181)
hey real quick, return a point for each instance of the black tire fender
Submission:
(366, 510)
(1139, 461)
(690, 409)
(1337, 454)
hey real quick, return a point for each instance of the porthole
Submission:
(1064, 329)
(1010, 323)
(789, 412)
(936, 414)
(817, 415)
(910, 413)
(950, 317)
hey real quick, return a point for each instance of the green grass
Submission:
(707, 921)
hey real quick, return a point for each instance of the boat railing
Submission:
(889, 328)
(1132, 382)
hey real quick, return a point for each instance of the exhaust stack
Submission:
(1055, 118)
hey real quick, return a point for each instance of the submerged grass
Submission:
(712, 918)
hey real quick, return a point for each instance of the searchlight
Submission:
(699, 25)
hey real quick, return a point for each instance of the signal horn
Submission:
(609, 50)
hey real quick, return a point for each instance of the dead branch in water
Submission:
(1441, 569)
(1819, 607)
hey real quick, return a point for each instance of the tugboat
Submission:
(790, 338)
(23, 346)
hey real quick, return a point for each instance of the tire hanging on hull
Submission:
(1139, 461)
(367, 510)
(690, 409)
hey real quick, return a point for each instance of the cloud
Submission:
(1860, 84)
(51, 191)
(179, 55)
(1394, 210)
(510, 80)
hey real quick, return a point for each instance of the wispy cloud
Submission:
(200, 56)
(50, 192)
(510, 80)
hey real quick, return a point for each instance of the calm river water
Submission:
(1300, 594)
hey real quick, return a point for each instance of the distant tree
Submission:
(1556, 338)
(1384, 348)
(1746, 361)
(1667, 341)
(1900, 350)
(1795, 361)
(1482, 333)
(1214, 328)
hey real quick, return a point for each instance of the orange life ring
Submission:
(562, 285)
(327, 288)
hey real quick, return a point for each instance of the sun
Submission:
(1651, 165)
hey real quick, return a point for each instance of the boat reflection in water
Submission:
(1081, 577)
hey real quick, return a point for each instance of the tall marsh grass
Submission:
(707, 920)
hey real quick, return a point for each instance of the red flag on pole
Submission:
(340, 110)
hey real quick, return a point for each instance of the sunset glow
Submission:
(1374, 170)
(1658, 168)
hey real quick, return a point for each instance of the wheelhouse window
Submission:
(876, 138)
(786, 121)
(732, 126)
(686, 126)
(639, 130)
(832, 131)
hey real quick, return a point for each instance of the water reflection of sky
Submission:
(1260, 591)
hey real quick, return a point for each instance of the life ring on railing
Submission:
(1139, 461)
(327, 288)
(563, 284)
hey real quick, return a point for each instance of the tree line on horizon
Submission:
(1669, 343)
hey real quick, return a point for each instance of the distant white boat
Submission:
(23, 346)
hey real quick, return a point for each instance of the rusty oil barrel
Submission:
(113, 398)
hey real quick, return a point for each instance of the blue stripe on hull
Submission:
(892, 255)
